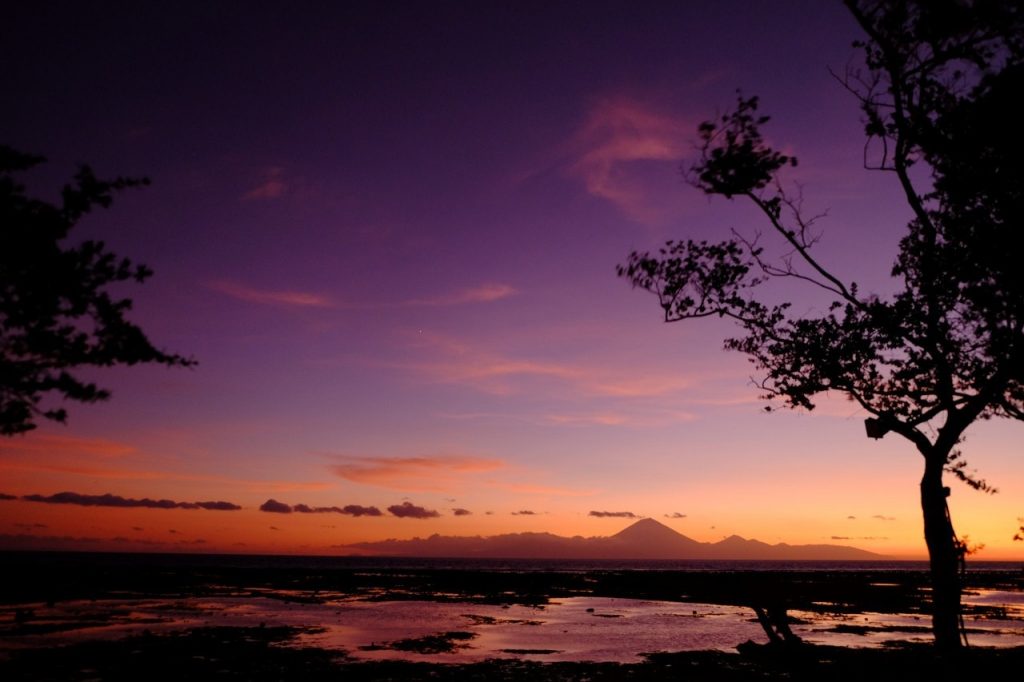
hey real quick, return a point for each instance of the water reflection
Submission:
(569, 629)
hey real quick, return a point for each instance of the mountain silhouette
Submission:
(645, 539)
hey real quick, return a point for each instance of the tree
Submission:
(56, 314)
(937, 89)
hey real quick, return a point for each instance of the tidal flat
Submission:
(76, 616)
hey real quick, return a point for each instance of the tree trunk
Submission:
(943, 555)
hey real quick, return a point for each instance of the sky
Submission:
(387, 232)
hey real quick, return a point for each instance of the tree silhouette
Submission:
(56, 315)
(937, 88)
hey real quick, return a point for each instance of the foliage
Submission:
(56, 313)
(948, 348)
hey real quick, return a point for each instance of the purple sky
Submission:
(388, 232)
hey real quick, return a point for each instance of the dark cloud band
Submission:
(349, 509)
(108, 500)
(408, 510)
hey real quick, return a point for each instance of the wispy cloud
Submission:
(524, 512)
(439, 472)
(613, 515)
(459, 511)
(535, 489)
(453, 361)
(483, 293)
(286, 298)
(408, 510)
(273, 185)
(47, 444)
(93, 457)
(675, 515)
(107, 459)
(445, 473)
(92, 471)
(109, 500)
(882, 517)
(648, 417)
(618, 134)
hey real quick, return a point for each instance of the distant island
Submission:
(645, 539)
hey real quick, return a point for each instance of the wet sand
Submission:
(95, 617)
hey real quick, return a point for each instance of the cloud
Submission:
(287, 298)
(29, 526)
(5, 496)
(109, 500)
(276, 507)
(440, 472)
(273, 186)
(619, 135)
(880, 517)
(458, 511)
(358, 510)
(408, 510)
(218, 506)
(614, 515)
(349, 509)
(851, 518)
(483, 293)
(524, 512)
(861, 537)
(675, 515)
